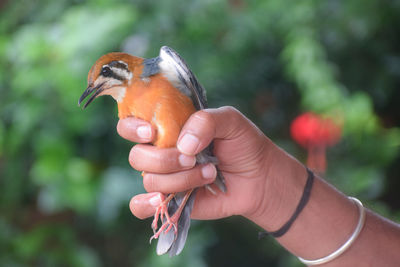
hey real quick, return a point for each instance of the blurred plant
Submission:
(65, 182)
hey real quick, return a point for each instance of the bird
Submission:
(164, 92)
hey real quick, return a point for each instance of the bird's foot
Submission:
(161, 212)
(170, 222)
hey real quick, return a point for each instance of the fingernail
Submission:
(188, 144)
(155, 201)
(144, 132)
(209, 171)
(186, 161)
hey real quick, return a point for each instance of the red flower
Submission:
(315, 133)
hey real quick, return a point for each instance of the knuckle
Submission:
(232, 111)
(234, 116)
(193, 178)
(132, 158)
(203, 116)
(204, 122)
(187, 181)
(148, 182)
(163, 164)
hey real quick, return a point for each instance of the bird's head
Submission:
(111, 74)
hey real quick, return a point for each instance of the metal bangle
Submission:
(346, 245)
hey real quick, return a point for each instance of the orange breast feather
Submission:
(159, 103)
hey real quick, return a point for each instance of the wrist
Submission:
(326, 214)
(284, 181)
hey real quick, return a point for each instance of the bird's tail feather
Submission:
(169, 242)
(220, 181)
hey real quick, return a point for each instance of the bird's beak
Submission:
(97, 90)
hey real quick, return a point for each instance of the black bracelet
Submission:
(303, 201)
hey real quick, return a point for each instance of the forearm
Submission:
(326, 222)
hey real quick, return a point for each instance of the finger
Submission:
(136, 130)
(180, 181)
(159, 160)
(205, 125)
(145, 205)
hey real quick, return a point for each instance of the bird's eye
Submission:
(106, 72)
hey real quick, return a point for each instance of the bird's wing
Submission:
(175, 69)
(178, 73)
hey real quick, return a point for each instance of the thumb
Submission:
(205, 125)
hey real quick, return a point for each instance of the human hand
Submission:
(243, 152)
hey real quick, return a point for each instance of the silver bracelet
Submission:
(346, 245)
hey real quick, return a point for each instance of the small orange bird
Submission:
(164, 92)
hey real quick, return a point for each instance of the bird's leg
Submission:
(172, 221)
(161, 211)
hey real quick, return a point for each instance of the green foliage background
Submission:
(65, 181)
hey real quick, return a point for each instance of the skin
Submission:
(264, 185)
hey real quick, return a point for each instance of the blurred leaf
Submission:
(82, 28)
(2, 138)
(359, 116)
(59, 243)
(79, 171)
(117, 188)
